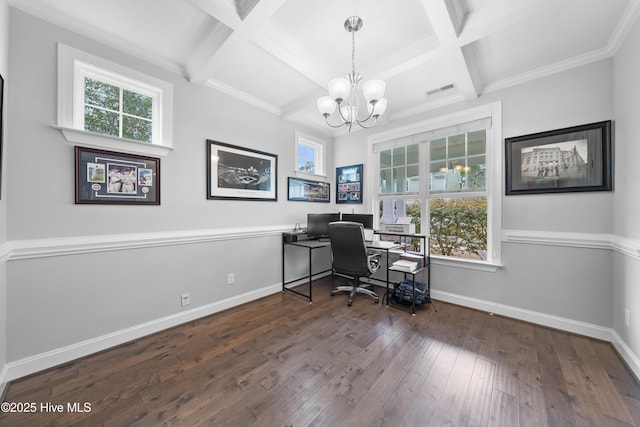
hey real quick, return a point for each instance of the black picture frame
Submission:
(573, 159)
(306, 190)
(1, 129)
(112, 178)
(240, 173)
(349, 184)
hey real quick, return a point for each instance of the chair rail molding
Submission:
(624, 245)
(38, 248)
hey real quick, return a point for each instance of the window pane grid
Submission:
(105, 104)
(455, 201)
(399, 170)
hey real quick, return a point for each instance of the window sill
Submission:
(105, 142)
(465, 263)
(308, 175)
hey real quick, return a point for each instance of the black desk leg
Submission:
(310, 274)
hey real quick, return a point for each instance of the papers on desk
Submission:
(382, 244)
(405, 265)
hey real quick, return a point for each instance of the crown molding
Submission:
(541, 72)
(625, 25)
(243, 96)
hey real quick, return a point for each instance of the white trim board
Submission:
(49, 359)
(543, 319)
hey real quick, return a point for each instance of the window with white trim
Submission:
(106, 105)
(310, 154)
(438, 174)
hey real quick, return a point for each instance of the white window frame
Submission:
(494, 155)
(73, 66)
(319, 146)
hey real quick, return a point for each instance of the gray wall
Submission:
(4, 67)
(582, 269)
(543, 279)
(626, 293)
(61, 295)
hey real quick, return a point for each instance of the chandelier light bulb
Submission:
(373, 90)
(339, 89)
(326, 105)
(378, 108)
(349, 113)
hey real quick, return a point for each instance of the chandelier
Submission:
(343, 95)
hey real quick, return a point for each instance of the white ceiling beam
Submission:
(445, 21)
(224, 12)
(500, 15)
(201, 69)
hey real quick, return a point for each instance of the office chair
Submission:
(350, 258)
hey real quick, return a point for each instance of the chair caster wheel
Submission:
(375, 301)
(332, 293)
(349, 303)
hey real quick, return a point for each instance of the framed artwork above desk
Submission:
(349, 184)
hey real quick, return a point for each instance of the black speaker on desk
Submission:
(294, 236)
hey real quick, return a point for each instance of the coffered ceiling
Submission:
(279, 55)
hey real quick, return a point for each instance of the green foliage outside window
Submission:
(103, 113)
(459, 227)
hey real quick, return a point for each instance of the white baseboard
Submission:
(66, 354)
(568, 325)
(563, 324)
(632, 361)
(39, 362)
(3, 382)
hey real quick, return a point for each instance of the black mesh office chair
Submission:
(350, 258)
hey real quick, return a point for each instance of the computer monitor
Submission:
(318, 224)
(365, 219)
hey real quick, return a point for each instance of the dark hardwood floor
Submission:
(280, 361)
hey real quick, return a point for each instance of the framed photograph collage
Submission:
(106, 177)
(349, 184)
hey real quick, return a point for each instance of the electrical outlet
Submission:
(186, 299)
(627, 317)
(231, 277)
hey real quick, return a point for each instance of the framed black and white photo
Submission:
(305, 190)
(572, 159)
(240, 173)
(107, 177)
(349, 184)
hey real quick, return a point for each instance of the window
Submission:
(116, 111)
(437, 173)
(106, 105)
(310, 154)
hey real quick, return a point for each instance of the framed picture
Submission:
(1, 115)
(559, 161)
(240, 173)
(304, 190)
(106, 177)
(349, 184)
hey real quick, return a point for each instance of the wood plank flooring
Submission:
(280, 361)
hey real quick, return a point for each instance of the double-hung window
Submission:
(105, 105)
(444, 175)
